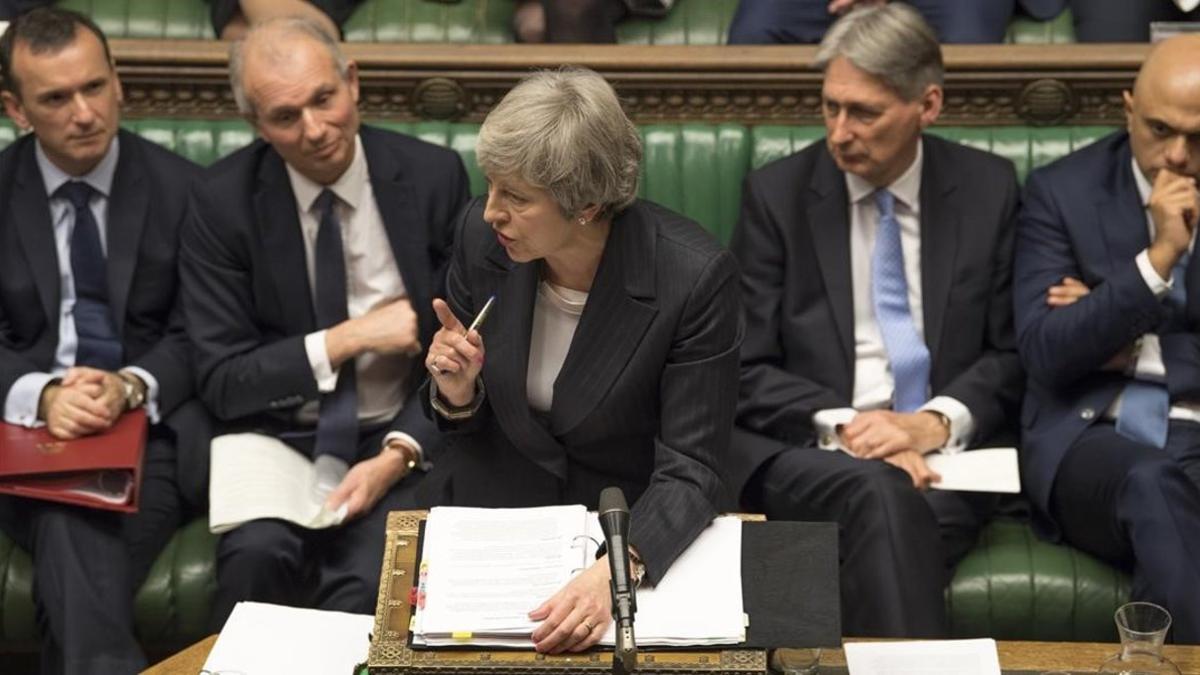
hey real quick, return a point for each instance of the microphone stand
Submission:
(614, 521)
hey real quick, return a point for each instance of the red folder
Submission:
(101, 471)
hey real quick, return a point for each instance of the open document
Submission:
(255, 476)
(924, 657)
(262, 639)
(483, 570)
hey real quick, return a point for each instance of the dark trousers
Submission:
(1123, 20)
(896, 545)
(89, 563)
(1138, 507)
(805, 21)
(334, 569)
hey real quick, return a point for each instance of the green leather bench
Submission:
(1010, 586)
(691, 22)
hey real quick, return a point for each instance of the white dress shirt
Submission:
(874, 384)
(372, 280)
(21, 403)
(1149, 365)
(555, 317)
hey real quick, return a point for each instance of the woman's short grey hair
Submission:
(272, 34)
(564, 131)
(891, 42)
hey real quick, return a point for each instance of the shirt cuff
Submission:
(21, 404)
(826, 423)
(1157, 285)
(1150, 366)
(151, 391)
(962, 422)
(318, 359)
(412, 442)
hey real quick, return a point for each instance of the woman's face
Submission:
(527, 221)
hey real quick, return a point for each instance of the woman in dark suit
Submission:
(612, 346)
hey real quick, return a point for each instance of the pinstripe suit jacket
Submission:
(644, 400)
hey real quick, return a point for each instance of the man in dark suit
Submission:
(967, 21)
(1108, 321)
(89, 325)
(310, 263)
(876, 282)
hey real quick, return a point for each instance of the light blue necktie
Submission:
(1145, 405)
(907, 353)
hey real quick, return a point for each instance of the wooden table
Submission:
(1028, 656)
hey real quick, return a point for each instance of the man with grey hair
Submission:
(876, 281)
(309, 265)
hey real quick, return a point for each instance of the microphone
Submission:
(614, 521)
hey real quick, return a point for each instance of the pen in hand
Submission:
(476, 323)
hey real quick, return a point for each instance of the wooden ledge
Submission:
(985, 84)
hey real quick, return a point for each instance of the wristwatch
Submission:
(135, 389)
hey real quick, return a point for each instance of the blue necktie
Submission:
(1145, 406)
(99, 344)
(337, 423)
(907, 353)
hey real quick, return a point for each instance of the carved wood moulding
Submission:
(985, 84)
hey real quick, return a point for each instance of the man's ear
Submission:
(352, 79)
(14, 109)
(112, 66)
(1127, 98)
(931, 104)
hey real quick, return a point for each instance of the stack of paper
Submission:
(925, 657)
(484, 570)
(262, 639)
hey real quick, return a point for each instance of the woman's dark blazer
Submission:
(644, 401)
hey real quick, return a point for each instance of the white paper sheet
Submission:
(982, 470)
(255, 476)
(699, 600)
(488, 568)
(262, 639)
(925, 657)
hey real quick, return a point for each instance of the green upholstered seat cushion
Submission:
(690, 22)
(1013, 586)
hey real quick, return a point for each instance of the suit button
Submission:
(1087, 413)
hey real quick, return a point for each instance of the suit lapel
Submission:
(828, 218)
(128, 203)
(275, 208)
(31, 209)
(941, 220)
(507, 362)
(619, 309)
(396, 207)
(1121, 214)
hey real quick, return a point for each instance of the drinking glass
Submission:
(1142, 627)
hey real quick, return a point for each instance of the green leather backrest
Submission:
(152, 19)
(690, 22)
(696, 169)
(466, 21)
(1029, 31)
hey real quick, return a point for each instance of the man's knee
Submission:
(264, 547)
